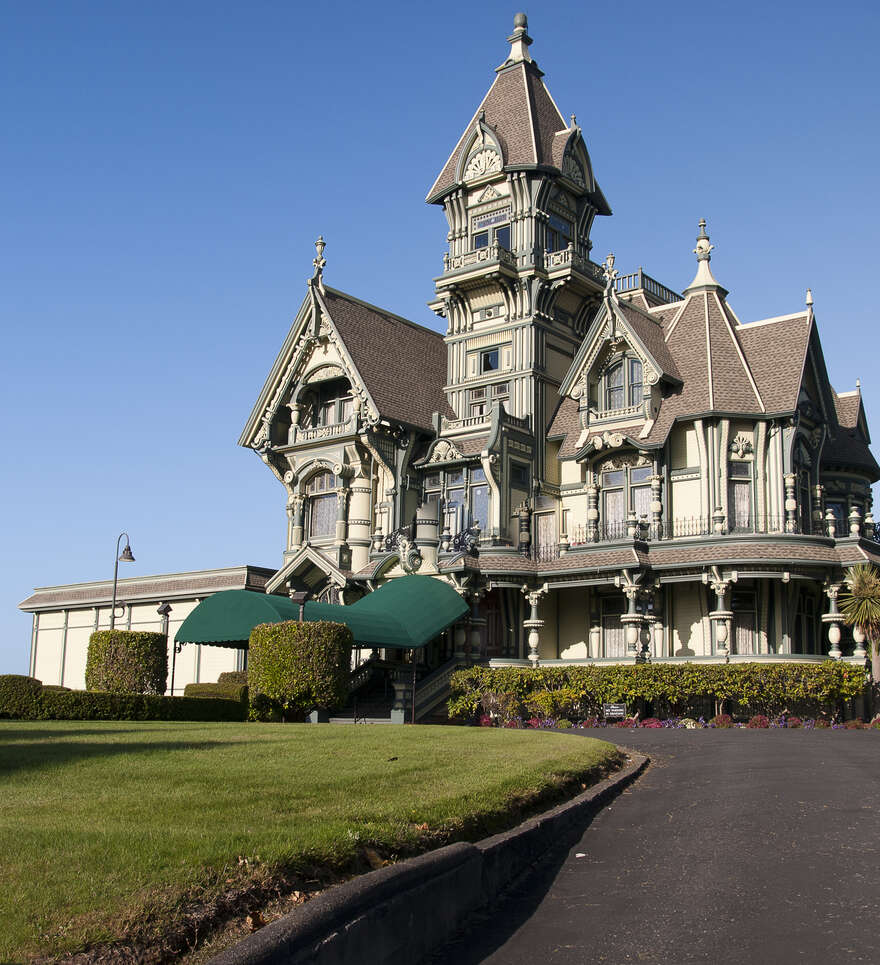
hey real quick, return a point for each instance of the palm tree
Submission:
(860, 606)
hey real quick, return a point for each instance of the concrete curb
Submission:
(403, 912)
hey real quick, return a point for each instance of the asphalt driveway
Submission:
(733, 847)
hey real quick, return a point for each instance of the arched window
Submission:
(321, 490)
(326, 404)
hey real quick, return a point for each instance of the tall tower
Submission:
(518, 286)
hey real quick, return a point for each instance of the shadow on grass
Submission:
(36, 733)
(34, 757)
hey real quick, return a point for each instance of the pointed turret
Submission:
(518, 126)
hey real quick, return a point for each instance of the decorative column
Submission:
(870, 526)
(359, 521)
(592, 513)
(632, 620)
(718, 520)
(831, 524)
(632, 524)
(818, 509)
(721, 617)
(534, 622)
(428, 532)
(656, 506)
(459, 641)
(524, 537)
(341, 516)
(855, 523)
(860, 638)
(790, 503)
(833, 618)
(295, 413)
(295, 508)
(477, 624)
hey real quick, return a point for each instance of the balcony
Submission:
(299, 436)
(567, 259)
(486, 257)
(695, 528)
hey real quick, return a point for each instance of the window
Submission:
(322, 505)
(613, 635)
(623, 491)
(328, 403)
(623, 385)
(739, 497)
(744, 622)
(490, 228)
(519, 475)
(489, 361)
(559, 233)
(464, 494)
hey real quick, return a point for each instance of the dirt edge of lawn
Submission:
(194, 925)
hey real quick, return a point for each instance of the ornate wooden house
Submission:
(608, 469)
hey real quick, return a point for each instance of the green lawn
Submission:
(101, 821)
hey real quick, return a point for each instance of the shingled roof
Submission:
(848, 446)
(524, 118)
(403, 365)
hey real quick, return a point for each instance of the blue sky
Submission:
(167, 167)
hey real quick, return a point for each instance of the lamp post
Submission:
(164, 610)
(126, 557)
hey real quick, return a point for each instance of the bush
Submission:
(758, 722)
(56, 689)
(299, 667)
(127, 661)
(651, 722)
(563, 723)
(722, 720)
(794, 722)
(239, 677)
(768, 689)
(19, 696)
(227, 691)
(97, 705)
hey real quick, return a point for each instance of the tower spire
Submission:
(519, 41)
(704, 277)
(319, 261)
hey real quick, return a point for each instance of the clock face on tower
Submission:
(483, 162)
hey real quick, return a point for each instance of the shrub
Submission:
(127, 661)
(627, 722)
(651, 722)
(767, 689)
(56, 689)
(228, 691)
(300, 666)
(857, 724)
(722, 720)
(794, 722)
(758, 722)
(239, 677)
(19, 696)
(97, 705)
(563, 723)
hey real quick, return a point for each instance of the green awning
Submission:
(226, 619)
(403, 613)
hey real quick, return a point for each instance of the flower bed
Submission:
(719, 722)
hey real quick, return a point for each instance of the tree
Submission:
(860, 606)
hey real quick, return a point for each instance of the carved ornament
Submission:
(400, 542)
(445, 451)
(485, 161)
(741, 445)
(572, 169)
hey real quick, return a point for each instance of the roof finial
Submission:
(809, 298)
(859, 385)
(703, 247)
(319, 262)
(519, 41)
(704, 277)
(574, 121)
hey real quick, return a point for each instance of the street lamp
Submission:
(126, 557)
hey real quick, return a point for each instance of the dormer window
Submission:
(329, 403)
(622, 385)
(489, 361)
(486, 229)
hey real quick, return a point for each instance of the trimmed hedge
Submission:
(127, 661)
(297, 667)
(19, 695)
(578, 692)
(95, 705)
(239, 677)
(227, 691)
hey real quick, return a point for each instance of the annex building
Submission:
(603, 467)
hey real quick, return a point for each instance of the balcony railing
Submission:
(479, 256)
(640, 280)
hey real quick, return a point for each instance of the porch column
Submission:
(833, 618)
(534, 622)
(295, 412)
(477, 623)
(341, 516)
(790, 502)
(818, 509)
(295, 508)
(459, 640)
(632, 620)
(721, 617)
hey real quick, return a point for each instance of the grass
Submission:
(107, 826)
